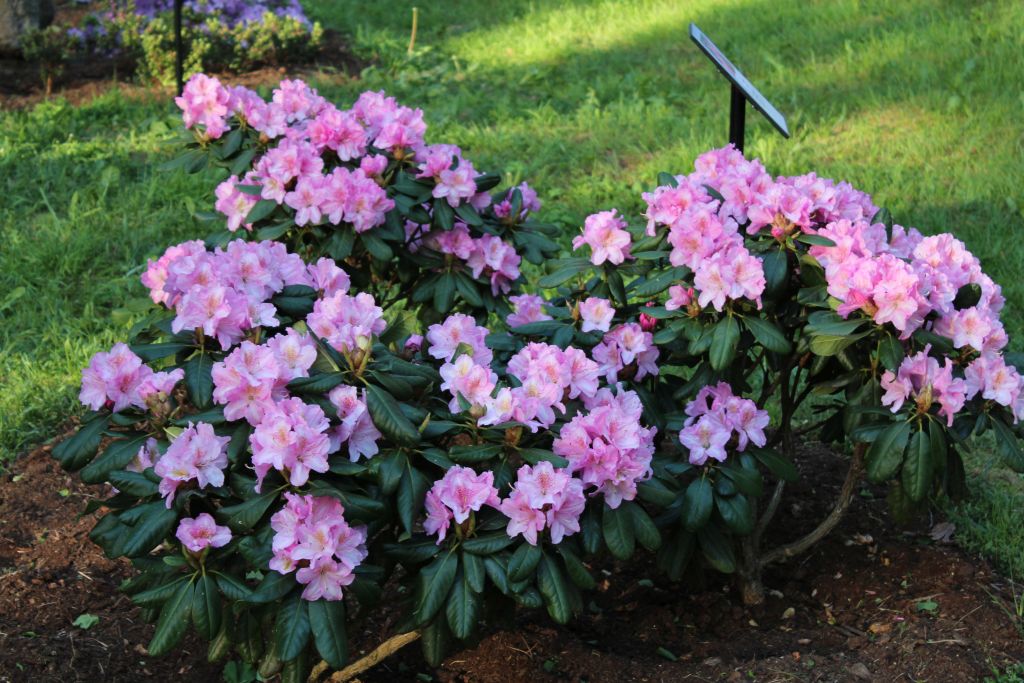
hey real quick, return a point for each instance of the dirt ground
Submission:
(873, 602)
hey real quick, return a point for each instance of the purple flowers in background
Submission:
(232, 12)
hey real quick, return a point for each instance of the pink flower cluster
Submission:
(253, 377)
(488, 255)
(597, 314)
(920, 376)
(608, 445)
(347, 323)
(624, 345)
(911, 281)
(202, 532)
(714, 415)
(445, 338)
(197, 454)
(356, 429)
(291, 438)
(307, 130)
(455, 496)
(544, 497)
(530, 203)
(526, 308)
(204, 102)
(225, 292)
(119, 379)
(312, 536)
(605, 233)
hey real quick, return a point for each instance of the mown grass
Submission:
(917, 102)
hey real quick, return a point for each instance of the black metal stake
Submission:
(179, 49)
(737, 117)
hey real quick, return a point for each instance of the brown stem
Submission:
(380, 653)
(833, 518)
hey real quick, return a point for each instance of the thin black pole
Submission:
(179, 49)
(737, 117)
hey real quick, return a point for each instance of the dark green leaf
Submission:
(411, 491)
(206, 607)
(261, 210)
(697, 503)
(462, 608)
(327, 620)
(717, 549)
(523, 561)
(737, 513)
(619, 534)
(643, 526)
(232, 588)
(76, 451)
(1008, 445)
(566, 271)
(554, 589)
(746, 480)
(818, 240)
(133, 483)
(487, 544)
(777, 464)
(436, 641)
(387, 415)
(474, 453)
(724, 341)
(575, 568)
(433, 584)
(198, 380)
(291, 628)
(767, 334)
(243, 516)
(117, 456)
(917, 467)
(151, 352)
(886, 453)
(155, 522)
(173, 622)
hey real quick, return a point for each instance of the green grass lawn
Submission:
(918, 102)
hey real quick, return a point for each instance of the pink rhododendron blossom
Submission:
(495, 259)
(202, 532)
(463, 377)
(291, 438)
(597, 314)
(922, 377)
(197, 454)
(608, 446)
(544, 496)
(204, 102)
(347, 323)
(678, 297)
(313, 539)
(445, 338)
(234, 203)
(118, 378)
(607, 238)
(990, 376)
(530, 203)
(295, 354)
(624, 345)
(455, 496)
(526, 308)
(714, 416)
(245, 381)
(356, 430)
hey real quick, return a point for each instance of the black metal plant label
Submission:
(742, 91)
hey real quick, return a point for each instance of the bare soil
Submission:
(872, 602)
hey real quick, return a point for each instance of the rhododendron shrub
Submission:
(343, 399)
(744, 291)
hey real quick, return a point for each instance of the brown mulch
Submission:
(872, 602)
